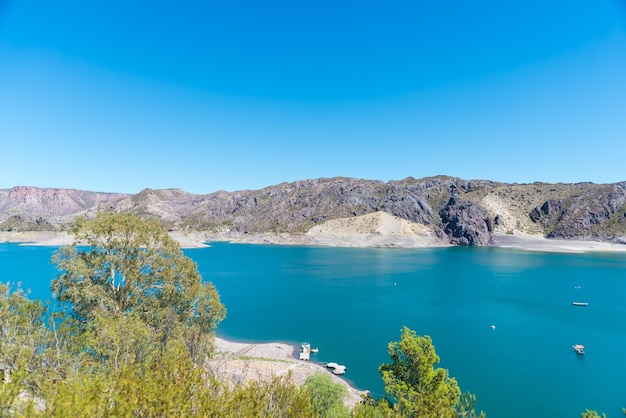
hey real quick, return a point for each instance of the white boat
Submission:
(579, 348)
(339, 370)
(580, 303)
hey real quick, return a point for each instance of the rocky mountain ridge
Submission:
(452, 210)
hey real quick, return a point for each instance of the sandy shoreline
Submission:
(201, 239)
(54, 239)
(246, 361)
(540, 243)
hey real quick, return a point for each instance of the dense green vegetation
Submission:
(132, 290)
(136, 323)
(326, 396)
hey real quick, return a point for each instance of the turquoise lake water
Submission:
(351, 302)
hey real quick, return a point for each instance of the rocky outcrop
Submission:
(466, 223)
(549, 212)
(456, 211)
(597, 212)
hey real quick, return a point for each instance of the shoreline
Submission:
(524, 242)
(241, 361)
(543, 244)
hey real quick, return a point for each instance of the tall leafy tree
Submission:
(129, 269)
(412, 379)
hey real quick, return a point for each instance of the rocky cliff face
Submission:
(595, 210)
(466, 223)
(461, 212)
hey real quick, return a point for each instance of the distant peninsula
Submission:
(427, 212)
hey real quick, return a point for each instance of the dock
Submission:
(305, 354)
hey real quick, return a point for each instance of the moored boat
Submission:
(579, 348)
(337, 368)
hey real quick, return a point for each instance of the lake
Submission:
(351, 302)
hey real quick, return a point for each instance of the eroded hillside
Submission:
(447, 209)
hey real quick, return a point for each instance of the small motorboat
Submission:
(579, 348)
(580, 303)
(339, 370)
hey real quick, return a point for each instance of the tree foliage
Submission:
(23, 335)
(170, 386)
(33, 351)
(593, 414)
(130, 272)
(412, 379)
(375, 408)
(24, 347)
(417, 386)
(43, 377)
(326, 396)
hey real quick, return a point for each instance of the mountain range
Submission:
(448, 209)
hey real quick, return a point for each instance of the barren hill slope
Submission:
(445, 209)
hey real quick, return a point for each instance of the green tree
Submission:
(375, 408)
(172, 386)
(326, 396)
(591, 414)
(278, 397)
(129, 269)
(28, 355)
(418, 387)
(168, 386)
(23, 340)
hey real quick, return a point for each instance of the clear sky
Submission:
(119, 95)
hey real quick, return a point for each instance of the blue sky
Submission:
(119, 96)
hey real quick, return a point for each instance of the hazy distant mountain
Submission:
(464, 212)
